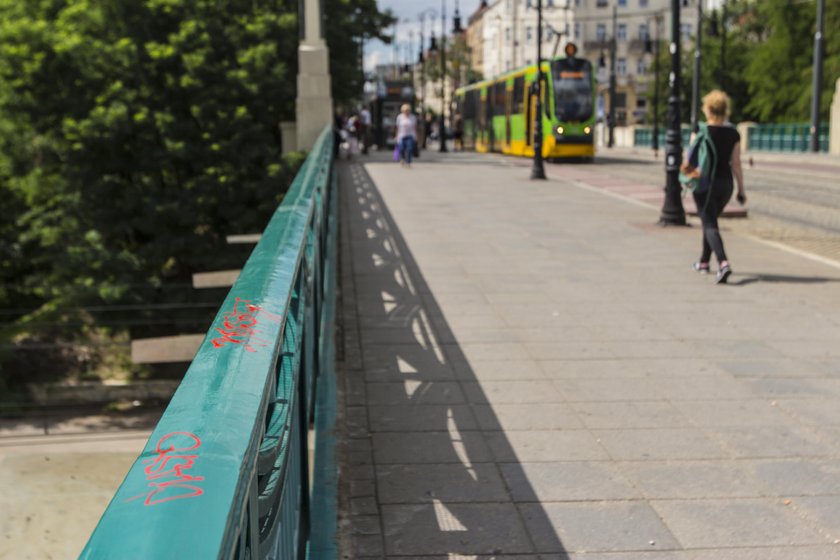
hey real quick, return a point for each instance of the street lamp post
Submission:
(695, 81)
(422, 17)
(538, 169)
(817, 83)
(673, 213)
(611, 117)
(442, 125)
(655, 141)
(723, 45)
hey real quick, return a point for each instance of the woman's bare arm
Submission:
(737, 171)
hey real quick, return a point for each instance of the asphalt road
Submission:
(793, 200)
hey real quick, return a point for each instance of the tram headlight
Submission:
(587, 130)
(560, 130)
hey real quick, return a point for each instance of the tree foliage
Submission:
(348, 25)
(136, 134)
(764, 62)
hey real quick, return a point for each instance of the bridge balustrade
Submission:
(643, 136)
(791, 137)
(226, 474)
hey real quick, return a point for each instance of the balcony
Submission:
(636, 45)
(596, 45)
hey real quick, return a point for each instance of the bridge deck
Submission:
(531, 370)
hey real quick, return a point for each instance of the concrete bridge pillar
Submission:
(314, 105)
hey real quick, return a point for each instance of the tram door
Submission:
(491, 104)
(529, 115)
(508, 103)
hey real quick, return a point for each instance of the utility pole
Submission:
(421, 60)
(655, 140)
(817, 84)
(723, 45)
(538, 169)
(673, 213)
(442, 132)
(611, 138)
(695, 81)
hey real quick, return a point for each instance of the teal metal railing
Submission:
(785, 137)
(226, 473)
(643, 136)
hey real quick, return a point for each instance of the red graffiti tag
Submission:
(165, 472)
(239, 326)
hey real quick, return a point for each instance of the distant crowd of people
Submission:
(354, 131)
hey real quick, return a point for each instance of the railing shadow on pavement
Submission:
(409, 389)
(749, 278)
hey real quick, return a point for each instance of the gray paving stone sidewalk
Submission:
(531, 370)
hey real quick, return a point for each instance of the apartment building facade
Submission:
(508, 28)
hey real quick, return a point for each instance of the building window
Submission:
(547, 33)
(550, 3)
(507, 33)
(643, 32)
(620, 99)
(621, 66)
(643, 3)
(579, 3)
(529, 32)
(641, 102)
(642, 67)
(621, 32)
(685, 30)
(601, 3)
(622, 3)
(577, 31)
(601, 32)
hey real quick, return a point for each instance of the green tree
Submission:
(137, 134)
(349, 24)
(780, 69)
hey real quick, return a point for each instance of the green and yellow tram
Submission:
(498, 114)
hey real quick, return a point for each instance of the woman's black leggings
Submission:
(710, 205)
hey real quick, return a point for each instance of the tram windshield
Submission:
(573, 97)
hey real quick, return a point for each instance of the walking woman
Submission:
(711, 202)
(406, 134)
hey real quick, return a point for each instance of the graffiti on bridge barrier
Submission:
(176, 452)
(239, 326)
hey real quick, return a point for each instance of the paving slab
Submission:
(532, 370)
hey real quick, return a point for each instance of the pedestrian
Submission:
(711, 201)
(406, 126)
(338, 127)
(427, 128)
(353, 130)
(365, 120)
(458, 126)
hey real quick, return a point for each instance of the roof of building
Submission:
(479, 12)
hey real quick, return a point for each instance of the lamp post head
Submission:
(456, 23)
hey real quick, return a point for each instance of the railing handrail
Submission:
(192, 493)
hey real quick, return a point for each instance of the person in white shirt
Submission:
(365, 118)
(406, 134)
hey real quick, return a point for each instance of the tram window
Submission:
(518, 94)
(472, 105)
(499, 98)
